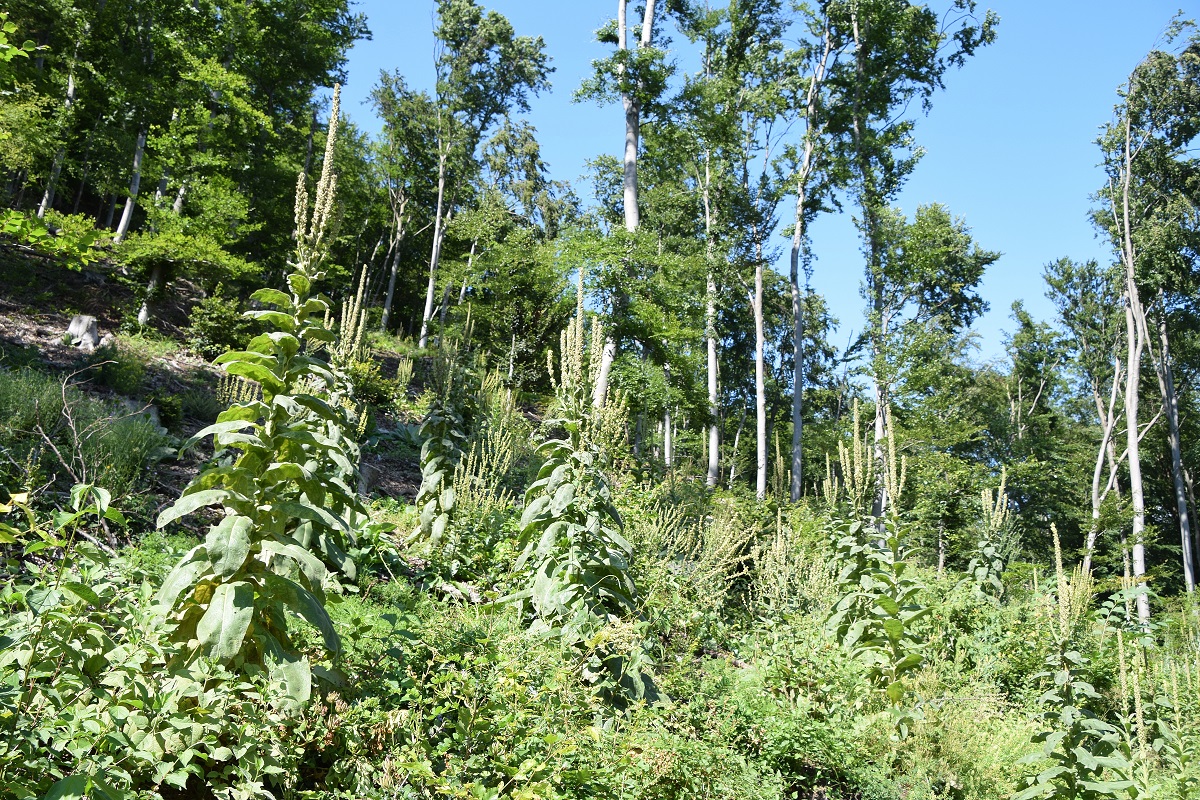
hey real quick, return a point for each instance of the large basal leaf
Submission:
(302, 602)
(228, 544)
(191, 502)
(310, 566)
(183, 576)
(216, 429)
(301, 510)
(273, 297)
(225, 622)
(256, 372)
(294, 675)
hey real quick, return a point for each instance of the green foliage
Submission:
(217, 324)
(52, 431)
(83, 652)
(1080, 745)
(576, 560)
(288, 496)
(71, 244)
(876, 620)
(119, 368)
(443, 434)
(8, 50)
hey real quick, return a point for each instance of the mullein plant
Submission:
(284, 491)
(1157, 742)
(875, 620)
(986, 568)
(1085, 752)
(575, 558)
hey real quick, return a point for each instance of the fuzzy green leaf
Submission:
(223, 627)
(228, 544)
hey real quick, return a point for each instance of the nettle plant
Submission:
(573, 551)
(288, 509)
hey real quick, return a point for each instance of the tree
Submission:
(901, 53)
(1088, 301)
(637, 75)
(406, 164)
(1145, 158)
(483, 71)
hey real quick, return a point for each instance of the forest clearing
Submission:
(349, 457)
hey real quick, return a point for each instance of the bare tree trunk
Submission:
(394, 255)
(869, 200)
(737, 438)
(61, 154)
(813, 128)
(1108, 422)
(760, 384)
(1166, 384)
(710, 337)
(152, 289)
(439, 233)
(632, 108)
(135, 183)
(1136, 335)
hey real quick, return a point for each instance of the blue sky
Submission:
(1009, 143)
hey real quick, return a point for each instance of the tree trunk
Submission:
(797, 482)
(394, 255)
(737, 438)
(1108, 422)
(760, 384)
(710, 338)
(632, 107)
(134, 184)
(152, 289)
(1166, 384)
(812, 129)
(439, 234)
(1136, 335)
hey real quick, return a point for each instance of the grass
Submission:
(57, 434)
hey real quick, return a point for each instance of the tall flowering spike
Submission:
(327, 186)
(301, 214)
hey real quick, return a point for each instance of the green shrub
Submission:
(201, 404)
(370, 386)
(84, 651)
(48, 432)
(170, 409)
(118, 368)
(217, 325)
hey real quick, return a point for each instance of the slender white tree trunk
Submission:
(1108, 422)
(135, 183)
(1136, 335)
(760, 384)
(632, 107)
(61, 154)
(438, 235)
(710, 337)
(813, 129)
(393, 256)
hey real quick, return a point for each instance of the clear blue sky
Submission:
(1009, 143)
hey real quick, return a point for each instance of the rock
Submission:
(84, 332)
(368, 477)
(107, 340)
(147, 410)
